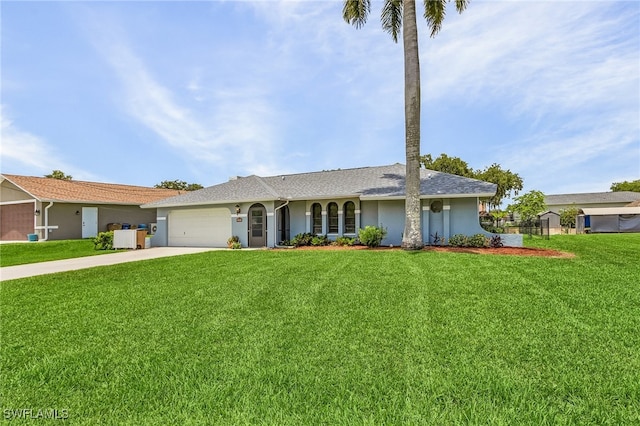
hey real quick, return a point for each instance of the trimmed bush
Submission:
(320, 240)
(458, 240)
(103, 241)
(345, 241)
(477, 240)
(372, 236)
(301, 240)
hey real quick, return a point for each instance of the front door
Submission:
(283, 224)
(257, 226)
(89, 222)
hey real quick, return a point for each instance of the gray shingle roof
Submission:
(592, 198)
(365, 182)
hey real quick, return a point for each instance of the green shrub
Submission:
(372, 236)
(477, 240)
(103, 241)
(458, 240)
(345, 241)
(320, 240)
(232, 241)
(301, 240)
(236, 245)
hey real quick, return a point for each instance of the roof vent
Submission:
(233, 178)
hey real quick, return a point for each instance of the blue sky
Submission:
(141, 92)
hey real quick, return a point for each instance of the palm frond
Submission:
(355, 12)
(392, 18)
(461, 5)
(435, 11)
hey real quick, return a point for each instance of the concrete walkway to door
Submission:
(42, 268)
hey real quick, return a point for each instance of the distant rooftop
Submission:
(75, 191)
(592, 198)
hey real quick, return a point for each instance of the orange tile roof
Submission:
(74, 191)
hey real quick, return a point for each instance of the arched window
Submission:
(349, 217)
(316, 218)
(332, 218)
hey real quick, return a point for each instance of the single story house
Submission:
(265, 211)
(57, 209)
(558, 202)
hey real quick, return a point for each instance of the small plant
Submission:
(236, 245)
(372, 236)
(302, 240)
(477, 240)
(103, 241)
(458, 240)
(496, 241)
(345, 241)
(285, 243)
(320, 240)
(437, 240)
(232, 241)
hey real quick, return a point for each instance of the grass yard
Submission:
(43, 251)
(332, 337)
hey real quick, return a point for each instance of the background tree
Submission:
(568, 218)
(634, 186)
(446, 164)
(400, 15)
(528, 206)
(507, 181)
(179, 185)
(58, 174)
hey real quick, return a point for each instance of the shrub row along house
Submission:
(265, 211)
(66, 209)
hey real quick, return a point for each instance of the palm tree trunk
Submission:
(412, 237)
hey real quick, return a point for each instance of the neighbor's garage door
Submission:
(16, 221)
(199, 228)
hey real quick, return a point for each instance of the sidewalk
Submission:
(42, 268)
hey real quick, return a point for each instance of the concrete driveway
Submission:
(42, 268)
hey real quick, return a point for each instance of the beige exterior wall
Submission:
(10, 192)
(68, 218)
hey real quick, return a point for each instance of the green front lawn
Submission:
(333, 337)
(44, 251)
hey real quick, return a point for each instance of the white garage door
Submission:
(199, 228)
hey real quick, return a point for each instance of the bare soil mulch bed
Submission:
(512, 251)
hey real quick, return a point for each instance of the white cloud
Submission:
(22, 150)
(232, 131)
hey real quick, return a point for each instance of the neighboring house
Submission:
(612, 219)
(265, 211)
(67, 209)
(558, 202)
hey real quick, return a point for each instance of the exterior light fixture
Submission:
(37, 213)
(77, 212)
(237, 209)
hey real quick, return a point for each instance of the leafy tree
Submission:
(528, 206)
(507, 181)
(634, 186)
(179, 185)
(446, 164)
(59, 174)
(400, 16)
(568, 217)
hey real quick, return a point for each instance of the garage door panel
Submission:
(199, 227)
(16, 221)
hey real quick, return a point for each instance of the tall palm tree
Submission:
(400, 16)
